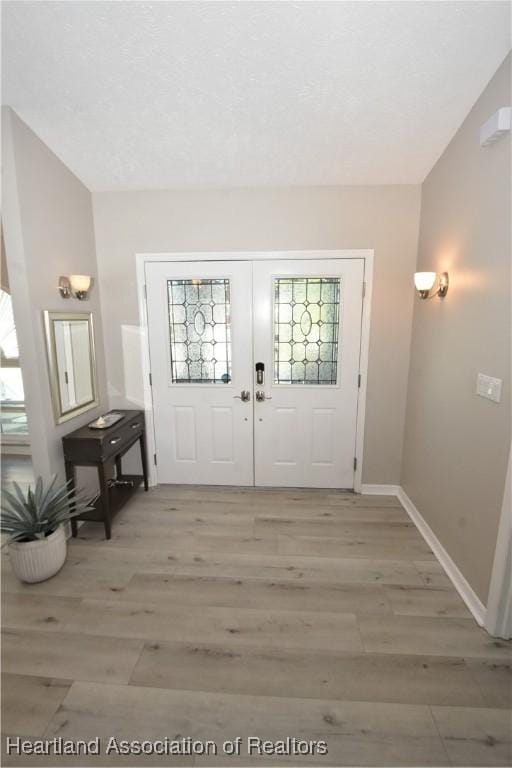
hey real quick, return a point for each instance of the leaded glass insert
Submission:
(306, 322)
(200, 331)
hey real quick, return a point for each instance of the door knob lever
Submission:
(261, 396)
(244, 396)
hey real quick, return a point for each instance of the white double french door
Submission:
(255, 370)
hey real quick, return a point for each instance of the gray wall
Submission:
(456, 444)
(382, 218)
(48, 229)
(4, 277)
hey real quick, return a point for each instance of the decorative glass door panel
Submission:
(306, 330)
(200, 331)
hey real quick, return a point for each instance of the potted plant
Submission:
(35, 526)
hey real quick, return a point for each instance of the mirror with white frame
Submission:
(71, 363)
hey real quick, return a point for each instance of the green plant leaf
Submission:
(38, 493)
(48, 491)
(19, 493)
(58, 495)
(31, 504)
(40, 512)
(15, 505)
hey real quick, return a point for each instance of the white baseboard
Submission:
(380, 490)
(464, 589)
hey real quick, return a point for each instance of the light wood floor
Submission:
(217, 613)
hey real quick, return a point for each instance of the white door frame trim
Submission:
(141, 259)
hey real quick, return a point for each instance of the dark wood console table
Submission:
(98, 447)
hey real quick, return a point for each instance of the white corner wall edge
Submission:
(380, 490)
(462, 586)
(498, 618)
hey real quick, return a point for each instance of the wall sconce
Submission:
(74, 285)
(425, 282)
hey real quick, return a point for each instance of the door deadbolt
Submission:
(260, 373)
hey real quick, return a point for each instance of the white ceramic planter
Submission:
(34, 561)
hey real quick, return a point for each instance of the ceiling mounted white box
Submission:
(153, 95)
(496, 126)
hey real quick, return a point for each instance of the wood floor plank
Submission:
(356, 733)
(259, 671)
(333, 514)
(29, 703)
(361, 500)
(353, 546)
(233, 565)
(432, 573)
(204, 513)
(184, 525)
(68, 656)
(70, 582)
(261, 496)
(170, 622)
(475, 736)
(40, 611)
(257, 501)
(494, 678)
(426, 601)
(251, 498)
(159, 536)
(257, 593)
(148, 508)
(421, 635)
(267, 526)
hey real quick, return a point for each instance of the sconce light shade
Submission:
(425, 281)
(80, 285)
(74, 285)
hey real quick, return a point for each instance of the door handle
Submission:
(244, 396)
(114, 440)
(261, 396)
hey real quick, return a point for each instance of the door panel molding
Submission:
(146, 401)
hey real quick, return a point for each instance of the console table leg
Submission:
(105, 502)
(70, 475)
(142, 441)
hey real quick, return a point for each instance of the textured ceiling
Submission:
(147, 95)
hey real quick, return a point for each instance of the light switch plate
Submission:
(489, 387)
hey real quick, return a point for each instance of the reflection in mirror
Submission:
(70, 345)
(74, 369)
